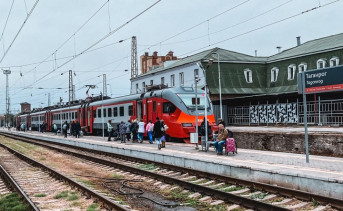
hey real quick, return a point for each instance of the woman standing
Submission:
(150, 128)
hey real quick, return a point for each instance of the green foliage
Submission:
(315, 203)
(93, 207)
(63, 194)
(259, 196)
(147, 167)
(12, 202)
(40, 195)
(117, 176)
(72, 197)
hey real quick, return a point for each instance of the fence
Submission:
(325, 112)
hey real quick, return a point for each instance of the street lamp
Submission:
(220, 87)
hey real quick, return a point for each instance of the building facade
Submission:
(259, 90)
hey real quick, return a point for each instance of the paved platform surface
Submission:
(323, 175)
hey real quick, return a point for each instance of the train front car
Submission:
(179, 112)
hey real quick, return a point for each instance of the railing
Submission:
(325, 112)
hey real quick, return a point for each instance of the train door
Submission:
(151, 110)
(145, 111)
(139, 107)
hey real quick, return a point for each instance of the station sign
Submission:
(322, 80)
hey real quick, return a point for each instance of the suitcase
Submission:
(230, 146)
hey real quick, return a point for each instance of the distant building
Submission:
(258, 90)
(25, 107)
(154, 61)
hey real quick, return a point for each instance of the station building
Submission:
(258, 90)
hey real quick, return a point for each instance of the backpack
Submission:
(230, 133)
(64, 126)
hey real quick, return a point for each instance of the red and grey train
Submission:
(174, 105)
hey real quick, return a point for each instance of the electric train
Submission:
(176, 106)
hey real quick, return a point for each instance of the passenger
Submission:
(203, 129)
(72, 128)
(77, 129)
(158, 133)
(128, 130)
(220, 121)
(141, 125)
(134, 129)
(221, 139)
(55, 129)
(150, 128)
(164, 128)
(109, 130)
(65, 128)
(122, 131)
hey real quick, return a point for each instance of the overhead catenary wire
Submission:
(261, 27)
(9, 13)
(22, 26)
(99, 41)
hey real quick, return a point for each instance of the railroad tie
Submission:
(206, 199)
(320, 208)
(268, 197)
(217, 185)
(194, 195)
(297, 206)
(227, 188)
(217, 202)
(252, 194)
(207, 183)
(232, 207)
(240, 191)
(282, 202)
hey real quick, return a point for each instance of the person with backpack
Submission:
(149, 128)
(65, 128)
(122, 131)
(141, 125)
(128, 130)
(164, 128)
(221, 139)
(55, 129)
(109, 130)
(134, 129)
(158, 133)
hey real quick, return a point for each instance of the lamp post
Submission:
(220, 87)
(196, 79)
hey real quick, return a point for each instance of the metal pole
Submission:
(196, 105)
(220, 89)
(305, 117)
(102, 116)
(320, 122)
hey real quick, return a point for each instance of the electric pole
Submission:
(134, 60)
(7, 72)
(104, 87)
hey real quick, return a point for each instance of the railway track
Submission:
(47, 189)
(238, 193)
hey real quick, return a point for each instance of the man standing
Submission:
(109, 130)
(158, 132)
(65, 128)
(128, 130)
(77, 129)
(221, 139)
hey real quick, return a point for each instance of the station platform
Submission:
(322, 175)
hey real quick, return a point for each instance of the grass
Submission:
(117, 176)
(86, 182)
(12, 202)
(315, 203)
(63, 194)
(73, 197)
(147, 167)
(93, 207)
(259, 196)
(234, 189)
(40, 195)
(70, 196)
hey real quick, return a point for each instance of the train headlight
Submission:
(187, 125)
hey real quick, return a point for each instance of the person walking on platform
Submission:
(164, 128)
(134, 130)
(122, 131)
(149, 128)
(65, 129)
(109, 130)
(55, 129)
(128, 130)
(158, 133)
(141, 125)
(221, 139)
(77, 129)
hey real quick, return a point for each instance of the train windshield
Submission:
(189, 100)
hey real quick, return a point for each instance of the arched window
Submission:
(334, 61)
(248, 75)
(302, 67)
(291, 71)
(274, 72)
(321, 63)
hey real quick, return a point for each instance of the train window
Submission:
(109, 112)
(154, 106)
(73, 115)
(121, 110)
(130, 110)
(99, 112)
(94, 114)
(67, 115)
(115, 111)
(104, 112)
(168, 108)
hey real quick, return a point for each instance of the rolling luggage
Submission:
(230, 146)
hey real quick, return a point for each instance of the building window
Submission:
(274, 74)
(302, 67)
(248, 75)
(334, 62)
(291, 71)
(143, 86)
(162, 80)
(151, 82)
(172, 80)
(321, 63)
(136, 88)
(181, 77)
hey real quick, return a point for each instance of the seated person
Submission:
(221, 139)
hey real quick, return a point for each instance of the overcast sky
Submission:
(35, 63)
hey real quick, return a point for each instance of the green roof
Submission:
(314, 46)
